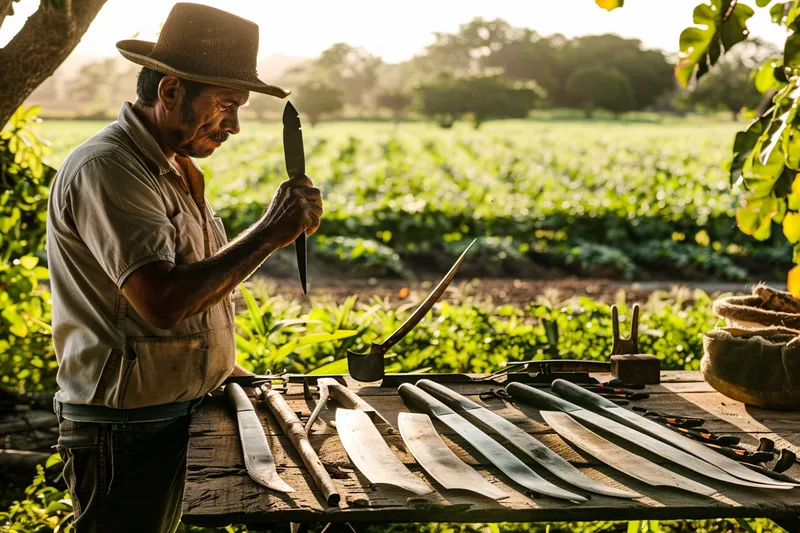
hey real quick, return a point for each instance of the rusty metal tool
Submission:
(684, 451)
(369, 367)
(439, 461)
(258, 457)
(293, 429)
(672, 420)
(331, 388)
(628, 364)
(372, 456)
(520, 440)
(295, 166)
(417, 399)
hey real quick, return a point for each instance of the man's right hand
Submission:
(295, 208)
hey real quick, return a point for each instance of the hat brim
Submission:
(139, 52)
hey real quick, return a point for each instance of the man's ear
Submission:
(170, 92)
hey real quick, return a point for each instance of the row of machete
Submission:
(576, 414)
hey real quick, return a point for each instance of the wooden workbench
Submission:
(219, 492)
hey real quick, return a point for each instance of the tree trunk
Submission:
(43, 43)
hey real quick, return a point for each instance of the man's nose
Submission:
(231, 123)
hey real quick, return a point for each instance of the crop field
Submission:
(552, 199)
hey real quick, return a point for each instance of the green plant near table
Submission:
(27, 359)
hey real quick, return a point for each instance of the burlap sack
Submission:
(756, 366)
(748, 312)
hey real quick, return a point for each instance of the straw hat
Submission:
(204, 44)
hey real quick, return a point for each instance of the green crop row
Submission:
(588, 198)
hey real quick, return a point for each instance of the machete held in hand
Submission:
(369, 367)
(295, 166)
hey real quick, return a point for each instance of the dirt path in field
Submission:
(516, 292)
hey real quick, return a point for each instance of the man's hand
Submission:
(164, 294)
(295, 208)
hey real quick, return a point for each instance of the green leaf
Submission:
(791, 51)
(610, 5)
(20, 329)
(744, 143)
(718, 27)
(756, 216)
(53, 460)
(336, 367)
(253, 310)
(316, 338)
(28, 261)
(766, 76)
(791, 227)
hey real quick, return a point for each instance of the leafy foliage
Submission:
(635, 198)
(27, 359)
(483, 97)
(598, 86)
(317, 98)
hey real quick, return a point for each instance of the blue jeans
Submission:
(125, 477)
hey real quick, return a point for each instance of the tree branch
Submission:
(43, 43)
(5, 10)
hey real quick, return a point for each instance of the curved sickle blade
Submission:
(369, 367)
(295, 164)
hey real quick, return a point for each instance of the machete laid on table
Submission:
(330, 388)
(368, 367)
(601, 406)
(257, 456)
(618, 457)
(549, 402)
(295, 166)
(439, 461)
(371, 455)
(419, 400)
(521, 440)
(293, 429)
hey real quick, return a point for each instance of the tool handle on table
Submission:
(294, 429)
(538, 399)
(419, 400)
(445, 395)
(344, 396)
(237, 398)
(579, 395)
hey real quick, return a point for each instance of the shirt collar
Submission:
(131, 125)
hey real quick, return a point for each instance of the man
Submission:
(142, 272)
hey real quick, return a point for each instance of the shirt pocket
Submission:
(165, 370)
(189, 239)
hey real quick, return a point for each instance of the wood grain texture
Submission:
(219, 492)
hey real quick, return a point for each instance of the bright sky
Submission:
(396, 31)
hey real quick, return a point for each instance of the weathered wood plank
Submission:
(218, 490)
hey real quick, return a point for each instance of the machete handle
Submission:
(445, 395)
(539, 399)
(344, 396)
(419, 400)
(580, 396)
(237, 398)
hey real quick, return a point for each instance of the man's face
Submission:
(199, 127)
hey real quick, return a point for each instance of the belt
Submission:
(108, 415)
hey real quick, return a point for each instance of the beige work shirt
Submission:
(117, 204)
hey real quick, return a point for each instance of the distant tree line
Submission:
(486, 70)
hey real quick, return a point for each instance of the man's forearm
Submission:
(193, 288)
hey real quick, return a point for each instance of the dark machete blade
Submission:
(295, 164)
